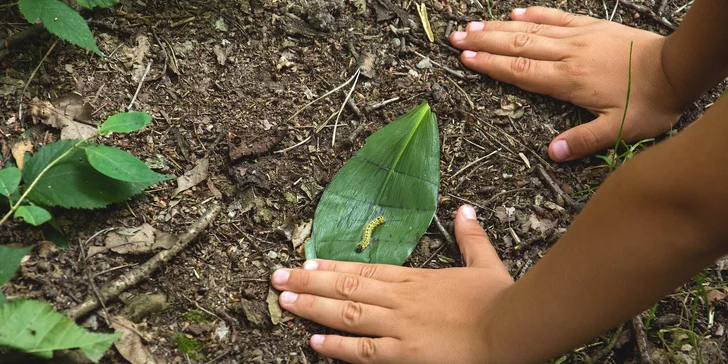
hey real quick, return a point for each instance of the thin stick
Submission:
(474, 162)
(322, 96)
(569, 201)
(383, 103)
(146, 72)
(616, 5)
(503, 193)
(649, 14)
(610, 346)
(343, 104)
(641, 338)
(136, 275)
(458, 74)
(25, 87)
(293, 146)
(470, 102)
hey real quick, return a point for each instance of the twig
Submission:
(663, 6)
(503, 193)
(146, 72)
(382, 104)
(343, 104)
(616, 5)
(641, 337)
(470, 102)
(337, 88)
(458, 74)
(91, 278)
(354, 108)
(293, 146)
(649, 14)
(474, 162)
(597, 358)
(114, 288)
(443, 231)
(25, 87)
(569, 201)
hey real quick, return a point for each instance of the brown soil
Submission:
(227, 93)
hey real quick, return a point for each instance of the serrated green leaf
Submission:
(36, 328)
(9, 180)
(395, 175)
(73, 182)
(61, 20)
(33, 215)
(90, 4)
(125, 122)
(10, 261)
(118, 164)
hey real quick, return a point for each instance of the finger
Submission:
(381, 272)
(521, 27)
(472, 240)
(584, 140)
(514, 44)
(359, 349)
(549, 16)
(354, 317)
(340, 286)
(531, 75)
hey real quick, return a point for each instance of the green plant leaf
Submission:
(73, 182)
(395, 175)
(33, 215)
(36, 328)
(3, 300)
(118, 164)
(10, 261)
(9, 180)
(90, 4)
(61, 20)
(53, 232)
(125, 122)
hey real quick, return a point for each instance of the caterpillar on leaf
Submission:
(371, 225)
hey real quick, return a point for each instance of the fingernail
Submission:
(457, 36)
(468, 212)
(317, 340)
(561, 150)
(281, 276)
(476, 26)
(519, 11)
(288, 297)
(310, 265)
(469, 54)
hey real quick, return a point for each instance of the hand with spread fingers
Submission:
(404, 315)
(585, 61)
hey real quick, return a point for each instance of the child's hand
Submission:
(405, 315)
(581, 60)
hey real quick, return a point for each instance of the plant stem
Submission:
(8, 5)
(626, 104)
(37, 178)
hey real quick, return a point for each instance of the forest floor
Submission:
(225, 79)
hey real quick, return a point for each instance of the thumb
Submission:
(584, 140)
(472, 240)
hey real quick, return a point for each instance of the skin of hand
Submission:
(581, 60)
(404, 315)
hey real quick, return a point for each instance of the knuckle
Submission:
(367, 270)
(588, 139)
(346, 285)
(520, 65)
(351, 314)
(567, 18)
(535, 28)
(304, 278)
(520, 41)
(366, 349)
(579, 44)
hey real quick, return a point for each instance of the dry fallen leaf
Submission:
(130, 344)
(18, 150)
(139, 240)
(62, 115)
(193, 176)
(273, 308)
(301, 233)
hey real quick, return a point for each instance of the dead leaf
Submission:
(215, 192)
(301, 233)
(511, 108)
(18, 150)
(142, 48)
(62, 115)
(193, 176)
(715, 296)
(273, 308)
(139, 240)
(541, 225)
(76, 130)
(130, 344)
(220, 53)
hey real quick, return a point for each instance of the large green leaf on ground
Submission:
(9, 262)
(395, 175)
(61, 20)
(90, 4)
(36, 328)
(73, 182)
(9, 180)
(125, 122)
(33, 215)
(118, 164)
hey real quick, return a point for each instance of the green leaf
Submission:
(90, 4)
(10, 261)
(52, 232)
(125, 122)
(3, 300)
(118, 164)
(73, 182)
(36, 328)
(395, 175)
(9, 180)
(61, 20)
(33, 215)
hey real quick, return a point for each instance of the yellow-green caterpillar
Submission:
(379, 220)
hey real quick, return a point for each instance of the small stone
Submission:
(425, 63)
